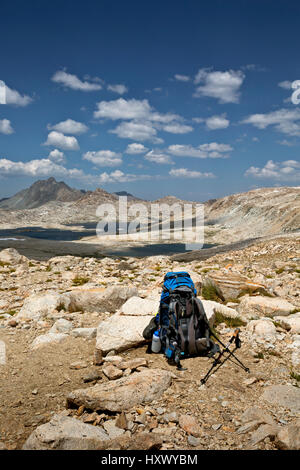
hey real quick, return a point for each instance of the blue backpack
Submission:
(184, 328)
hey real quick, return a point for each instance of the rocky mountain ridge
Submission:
(40, 193)
(257, 213)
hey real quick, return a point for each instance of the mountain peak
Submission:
(41, 192)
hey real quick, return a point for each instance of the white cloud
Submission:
(57, 156)
(156, 156)
(144, 121)
(135, 131)
(182, 78)
(120, 177)
(215, 147)
(15, 98)
(211, 150)
(177, 128)
(120, 89)
(284, 120)
(288, 170)
(287, 143)
(135, 149)
(38, 167)
(5, 127)
(57, 139)
(103, 158)
(69, 127)
(73, 82)
(286, 84)
(132, 109)
(185, 173)
(224, 86)
(217, 122)
(163, 118)
(198, 120)
(123, 109)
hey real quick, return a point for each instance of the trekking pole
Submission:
(235, 338)
(238, 343)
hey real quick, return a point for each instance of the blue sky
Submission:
(165, 97)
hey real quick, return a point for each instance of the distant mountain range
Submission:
(255, 213)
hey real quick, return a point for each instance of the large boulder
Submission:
(99, 299)
(288, 437)
(12, 256)
(290, 323)
(49, 338)
(286, 396)
(86, 333)
(262, 328)
(65, 433)
(62, 326)
(295, 347)
(2, 353)
(38, 306)
(122, 394)
(211, 307)
(260, 306)
(121, 332)
(230, 286)
(138, 306)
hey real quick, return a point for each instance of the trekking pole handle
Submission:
(235, 334)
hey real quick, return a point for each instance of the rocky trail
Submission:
(75, 372)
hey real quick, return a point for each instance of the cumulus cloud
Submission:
(217, 122)
(182, 78)
(288, 170)
(185, 173)
(72, 81)
(156, 156)
(57, 156)
(120, 89)
(286, 84)
(210, 150)
(198, 120)
(37, 167)
(144, 121)
(224, 86)
(123, 109)
(104, 158)
(132, 109)
(118, 176)
(5, 127)
(284, 120)
(135, 131)
(177, 128)
(13, 97)
(135, 149)
(69, 127)
(57, 139)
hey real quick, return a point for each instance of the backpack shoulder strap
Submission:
(202, 317)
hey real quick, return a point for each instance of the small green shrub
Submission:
(209, 292)
(79, 281)
(295, 376)
(259, 356)
(11, 312)
(230, 322)
(296, 310)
